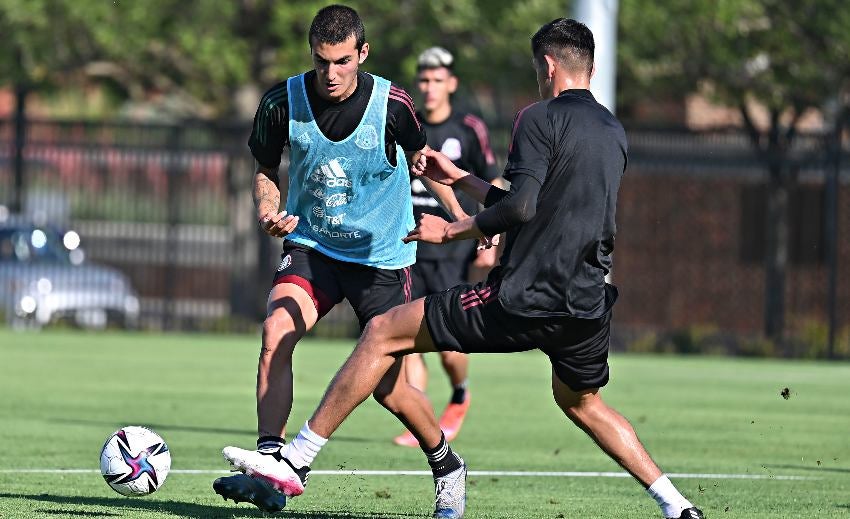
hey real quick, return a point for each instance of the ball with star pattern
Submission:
(135, 461)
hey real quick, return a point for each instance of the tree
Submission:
(215, 57)
(788, 57)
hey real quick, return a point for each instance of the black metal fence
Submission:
(167, 211)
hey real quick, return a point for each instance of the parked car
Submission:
(44, 277)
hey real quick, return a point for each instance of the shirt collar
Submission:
(581, 92)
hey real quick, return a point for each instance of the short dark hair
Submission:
(567, 40)
(336, 23)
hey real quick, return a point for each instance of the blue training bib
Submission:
(352, 204)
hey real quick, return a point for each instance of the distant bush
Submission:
(809, 340)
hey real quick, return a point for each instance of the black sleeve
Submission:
(480, 156)
(530, 151)
(402, 122)
(506, 209)
(270, 132)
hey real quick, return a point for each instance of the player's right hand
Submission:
(278, 225)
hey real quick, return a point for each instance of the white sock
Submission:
(303, 449)
(668, 498)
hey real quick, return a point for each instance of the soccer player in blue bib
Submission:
(347, 210)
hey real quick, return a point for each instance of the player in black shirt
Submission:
(566, 159)
(463, 138)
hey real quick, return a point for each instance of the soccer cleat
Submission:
(690, 513)
(450, 494)
(270, 467)
(452, 418)
(244, 489)
(406, 440)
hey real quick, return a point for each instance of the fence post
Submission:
(831, 223)
(21, 92)
(244, 284)
(172, 238)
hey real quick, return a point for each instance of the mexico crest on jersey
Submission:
(367, 137)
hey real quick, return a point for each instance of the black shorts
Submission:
(470, 319)
(370, 290)
(432, 276)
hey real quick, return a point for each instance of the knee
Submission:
(375, 340)
(578, 407)
(279, 334)
(385, 396)
(375, 331)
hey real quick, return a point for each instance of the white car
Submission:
(44, 278)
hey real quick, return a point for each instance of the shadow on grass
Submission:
(195, 429)
(80, 513)
(179, 509)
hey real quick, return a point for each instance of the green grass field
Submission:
(63, 393)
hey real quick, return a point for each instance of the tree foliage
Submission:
(209, 53)
(788, 56)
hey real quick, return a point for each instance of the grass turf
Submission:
(63, 393)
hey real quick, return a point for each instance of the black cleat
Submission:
(690, 513)
(245, 489)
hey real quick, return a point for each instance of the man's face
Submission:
(436, 86)
(336, 67)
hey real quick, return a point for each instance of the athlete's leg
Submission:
(291, 312)
(616, 436)
(375, 366)
(456, 366)
(422, 283)
(451, 420)
(416, 371)
(417, 376)
(376, 361)
(613, 433)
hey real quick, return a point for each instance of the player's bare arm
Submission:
(267, 196)
(505, 209)
(433, 229)
(440, 169)
(442, 193)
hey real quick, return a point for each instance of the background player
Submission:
(463, 138)
(345, 182)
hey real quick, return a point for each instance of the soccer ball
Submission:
(135, 461)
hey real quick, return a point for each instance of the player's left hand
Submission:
(420, 161)
(430, 229)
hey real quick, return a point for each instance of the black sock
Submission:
(269, 442)
(441, 458)
(459, 394)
